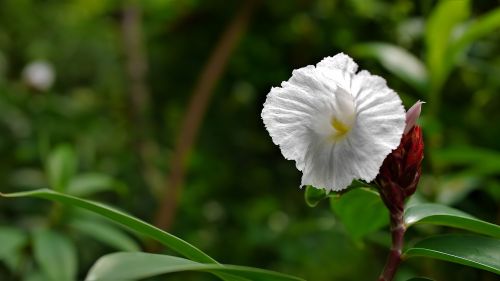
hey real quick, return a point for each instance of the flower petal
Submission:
(379, 124)
(341, 62)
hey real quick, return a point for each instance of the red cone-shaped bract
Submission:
(400, 172)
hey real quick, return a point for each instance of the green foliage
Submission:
(61, 167)
(120, 266)
(314, 195)
(53, 251)
(105, 233)
(55, 254)
(88, 136)
(398, 61)
(13, 240)
(475, 251)
(361, 211)
(439, 31)
(174, 243)
(87, 184)
(446, 216)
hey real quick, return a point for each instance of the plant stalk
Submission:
(394, 258)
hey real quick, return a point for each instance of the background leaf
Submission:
(61, 167)
(88, 184)
(397, 60)
(55, 254)
(442, 21)
(480, 27)
(361, 211)
(120, 266)
(12, 241)
(105, 233)
(475, 251)
(447, 216)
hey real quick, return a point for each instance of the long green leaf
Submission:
(447, 216)
(55, 254)
(120, 266)
(482, 26)
(397, 60)
(474, 251)
(167, 239)
(442, 21)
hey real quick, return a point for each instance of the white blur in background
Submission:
(39, 74)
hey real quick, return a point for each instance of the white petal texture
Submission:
(338, 125)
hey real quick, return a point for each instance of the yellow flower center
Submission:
(341, 129)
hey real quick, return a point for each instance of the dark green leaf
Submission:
(474, 251)
(167, 239)
(120, 266)
(55, 254)
(419, 279)
(361, 211)
(447, 216)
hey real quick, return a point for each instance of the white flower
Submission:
(338, 125)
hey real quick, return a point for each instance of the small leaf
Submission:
(55, 254)
(397, 60)
(447, 216)
(121, 266)
(88, 184)
(361, 211)
(314, 195)
(61, 167)
(132, 223)
(419, 279)
(474, 251)
(106, 234)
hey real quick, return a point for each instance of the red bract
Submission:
(400, 172)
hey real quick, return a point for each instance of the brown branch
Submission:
(198, 104)
(139, 95)
(136, 64)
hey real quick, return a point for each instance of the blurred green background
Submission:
(154, 107)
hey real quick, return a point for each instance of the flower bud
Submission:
(400, 172)
(412, 115)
